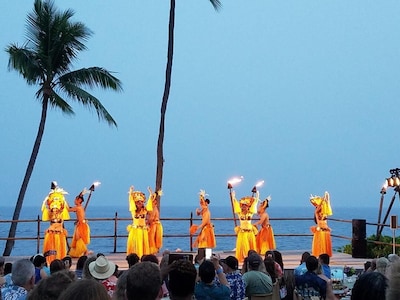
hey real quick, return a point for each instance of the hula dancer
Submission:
(322, 242)
(55, 210)
(206, 237)
(138, 237)
(246, 231)
(265, 238)
(81, 237)
(155, 226)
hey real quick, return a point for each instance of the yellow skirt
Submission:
(245, 241)
(55, 244)
(322, 242)
(155, 237)
(138, 241)
(206, 238)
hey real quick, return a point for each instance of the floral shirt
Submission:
(13, 292)
(110, 286)
(238, 286)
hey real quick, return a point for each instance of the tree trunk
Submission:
(167, 87)
(13, 227)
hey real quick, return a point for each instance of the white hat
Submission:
(101, 268)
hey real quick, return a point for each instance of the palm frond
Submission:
(57, 102)
(217, 4)
(92, 77)
(23, 61)
(87, 100)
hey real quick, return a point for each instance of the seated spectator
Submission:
(2, 262)
(39, 262)
(208, 288)
(23, 276)
(85, 272)
(367, 265)
(393, 290)
(256, 281)
(79, 266)
(301, 269)
(372, 267)
(51, 287)
(310, 282)
(271, 270)
(104, 271)
(278, 269)
(7, 268)
(150, 257)
(324, 260)
(234, 277)
(182, 280)
(143, 282)
(85, 289)
(56, 265)
(119, 293)
(370, 286)
(381, 265)
(132, 259)
(67, 262)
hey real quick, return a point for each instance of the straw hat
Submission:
(101, 268)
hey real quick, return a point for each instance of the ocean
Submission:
(181, 227)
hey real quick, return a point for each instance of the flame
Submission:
(96, 183)
(259, 183)
(235, 180)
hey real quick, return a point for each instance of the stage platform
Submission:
(291, 259)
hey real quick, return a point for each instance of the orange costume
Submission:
(55, 210)
(81, 236)
(265, 238)
(246, 231)
(138, 237)
(155, 226)
(206, 237)
(322, 242)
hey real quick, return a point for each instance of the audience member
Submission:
(85, 289)
(80, 264)
(302, 269)
(270, 268)
(7, 268)
(381, 265)
(56, 265)
(150, 257)
(104, 271)
(132, 259)
(23, 276)
(39, 262)
(67, 262)
(393, 290)
(324, 260)
(182, 280)
(208, 288)
(244, 265)
(372, 266)
(86, 273)
(310, 280)
(256, 281)
(278, 269)
(51, 287)
(2, 262)
(370, 286)
(119, 293)
(234, 277)
(144, 282)
(367, 265)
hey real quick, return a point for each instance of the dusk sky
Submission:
(301, 94)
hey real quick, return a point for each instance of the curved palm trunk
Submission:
(24, 186)
(167, 87)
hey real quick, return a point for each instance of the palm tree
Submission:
(167, 86)
(53, 42)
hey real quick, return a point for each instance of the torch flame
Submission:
(96, 183)
(259, 183)
(235, 180)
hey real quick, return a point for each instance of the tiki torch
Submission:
(231, 182)
(91, 189)
(254, 189)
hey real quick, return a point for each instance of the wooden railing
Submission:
(39, 236)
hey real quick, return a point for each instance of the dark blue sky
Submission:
(301, 94)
